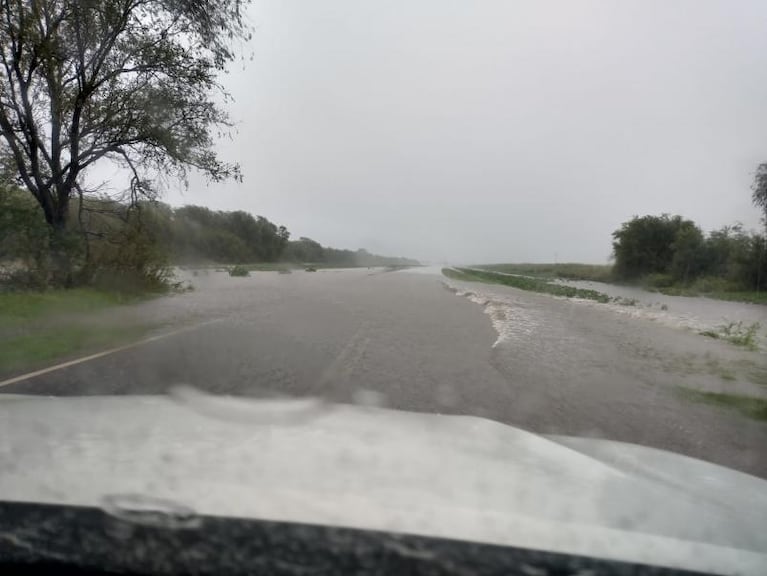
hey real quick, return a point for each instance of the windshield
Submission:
(416, 266)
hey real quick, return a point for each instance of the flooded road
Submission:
(413, 340)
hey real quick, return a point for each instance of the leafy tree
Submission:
(669, 250)
(720, 249)
(759, 189)
(305, 250)
(131, 251)
(199, 232)
(129, 81)
(688, 258)
(646, 245)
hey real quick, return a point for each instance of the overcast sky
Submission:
(480, 131)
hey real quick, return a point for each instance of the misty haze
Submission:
(404, 287)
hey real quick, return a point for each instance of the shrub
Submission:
(239, 271)
(659, 280)
(711, 284)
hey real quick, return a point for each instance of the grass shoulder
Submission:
(749, 406)
(749, 297)
(707, 286)
(40, 328)
(565, 271)
(28, 305)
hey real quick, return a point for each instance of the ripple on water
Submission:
(511, 321)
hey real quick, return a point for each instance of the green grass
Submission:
(270, 266)
(567, 271)
(748, 406)
(623, 301)
(758, 377)
(711, 334)
(736, 333)
(15, 306)
(708, 287)
(713, 366)
(38, 328)
(239, 271)
(523, 283)
(46, 346)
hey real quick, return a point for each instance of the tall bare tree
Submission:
(135, 82)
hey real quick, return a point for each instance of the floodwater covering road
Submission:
(693, 313)
(414, 340)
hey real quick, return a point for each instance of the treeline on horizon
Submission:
(111, 241)
(200, 235)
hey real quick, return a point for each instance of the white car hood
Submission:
(446, 476)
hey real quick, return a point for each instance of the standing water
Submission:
(695, 313)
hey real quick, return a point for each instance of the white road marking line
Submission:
(63, 365)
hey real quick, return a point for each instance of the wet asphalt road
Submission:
(408, 341)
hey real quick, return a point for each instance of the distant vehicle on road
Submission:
(310, 269)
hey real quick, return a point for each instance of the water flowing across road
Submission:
(416, 341)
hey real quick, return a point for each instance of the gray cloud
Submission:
(495, 131)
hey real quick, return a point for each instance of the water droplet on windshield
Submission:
(150, 511)
(369, 398)
(251, 411)
(446, 396)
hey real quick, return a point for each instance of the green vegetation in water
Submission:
(269, 266)
(566, 271)
(736, 333)
(524, 283)
(623, 301)
(251, 267)
(749, 406)
(758, 376)
(240, 271)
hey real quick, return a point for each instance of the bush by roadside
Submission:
(107, 245)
